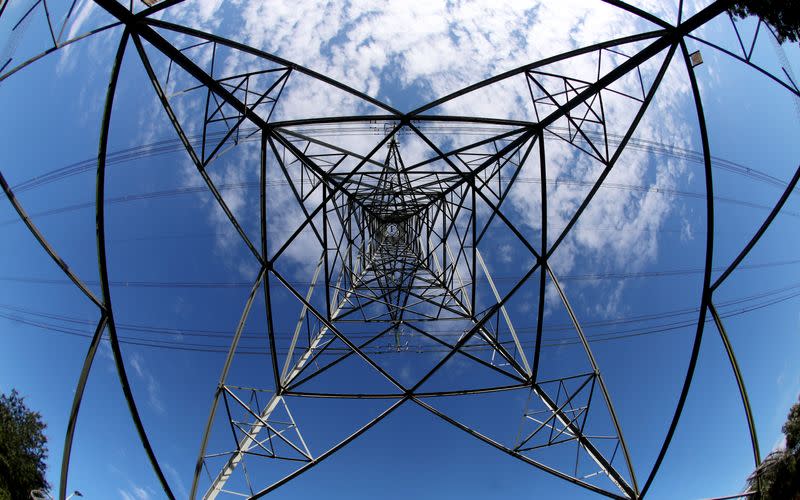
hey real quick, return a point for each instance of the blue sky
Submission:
(180, 274)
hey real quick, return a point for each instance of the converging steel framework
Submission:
(401, 241)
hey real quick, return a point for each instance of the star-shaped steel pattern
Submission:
(402, 207)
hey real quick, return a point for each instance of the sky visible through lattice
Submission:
(180, 274)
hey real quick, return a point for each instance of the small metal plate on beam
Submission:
(696, 58)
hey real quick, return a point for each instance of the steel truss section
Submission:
(400, 241)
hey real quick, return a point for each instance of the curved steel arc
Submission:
(44, 243)
(705, 299)
(76, 405)
(103, 264)
(545, 252)
(634, 492)
(262, 208)
(751, 424)
(222, 378)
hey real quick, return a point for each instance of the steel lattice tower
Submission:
(400, 238)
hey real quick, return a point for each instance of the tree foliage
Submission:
(792, 429)
(783, 15)
(778, 476)
(23, 448)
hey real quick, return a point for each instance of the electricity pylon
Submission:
(399, 216)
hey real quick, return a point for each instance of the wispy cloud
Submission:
(505, 253)
(176, 481)
(152, 385)
(105, 352)
(134, 493)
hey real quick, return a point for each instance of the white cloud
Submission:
(506, 253)
(608, 304)
(152, 385)
(77, 24)
(78, 20)
(134, 493)
(104, 349)
(176, 481)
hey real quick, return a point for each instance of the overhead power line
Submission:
(249, 284)
(60, 323)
